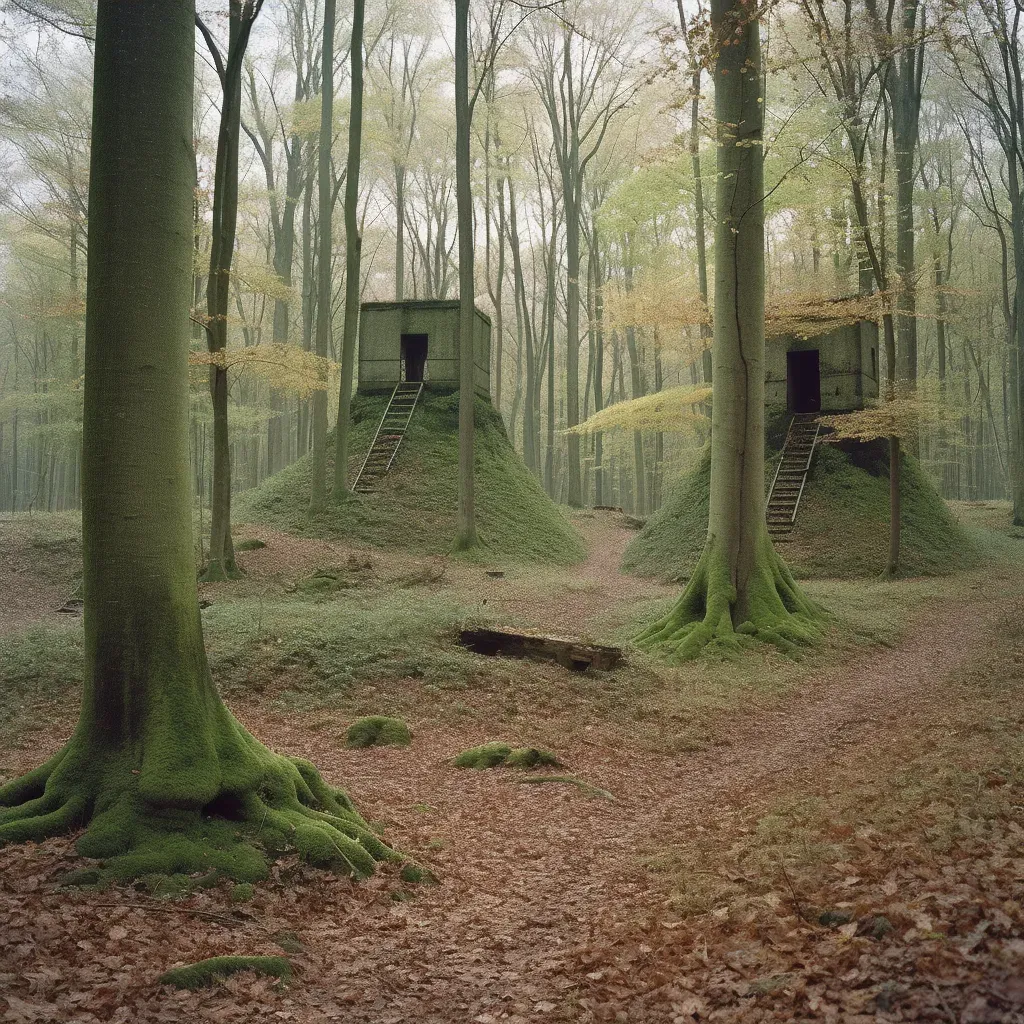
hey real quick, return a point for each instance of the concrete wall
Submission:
(847, 373)
(381, 326)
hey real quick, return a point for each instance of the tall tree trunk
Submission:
(158, 771)
(529, 400)
(399, 232)
(318, 476)
(218, 286)
(465, 536)
(353, 253)
(740, 587)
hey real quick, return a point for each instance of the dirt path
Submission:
(535, 878)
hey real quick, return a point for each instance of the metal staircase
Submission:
(791, 476)
(388, 438)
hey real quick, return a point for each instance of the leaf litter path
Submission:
(536, 880)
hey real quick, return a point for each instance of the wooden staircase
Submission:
(791, 476)
(388, 438)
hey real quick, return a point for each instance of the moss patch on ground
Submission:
(414, 508)
(378, 731)
(501, 755)
(841, 530)
(217, 968)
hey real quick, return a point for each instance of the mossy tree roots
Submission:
(710, 616)
(145, 813)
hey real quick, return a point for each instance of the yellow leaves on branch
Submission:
(284, 366)
(675, 410)
(810, 315)
(668, 302)
(902, 415)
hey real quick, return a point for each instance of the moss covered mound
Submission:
(842, 528)
(217, 968)
(501, 755)
(414, 508)
(378, 731)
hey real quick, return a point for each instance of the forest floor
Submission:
(834, 839)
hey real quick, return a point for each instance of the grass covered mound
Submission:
(414, 507)
(377, 731)
(501, 755)
(841, 530)
(217, 968)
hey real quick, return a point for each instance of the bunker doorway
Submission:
(803, 381)
(414, 357)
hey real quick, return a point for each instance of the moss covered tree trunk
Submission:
(740, 586)
(160, 773)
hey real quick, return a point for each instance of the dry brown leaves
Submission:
(546, 909)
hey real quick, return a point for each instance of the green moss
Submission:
(531, 757)
(501, 755)
(221, 812)
(709, 618)
(378, 731)
(242, 893)
(487, 755)
(217, 968)
(415, 507)
(841, 529)
(415, 875)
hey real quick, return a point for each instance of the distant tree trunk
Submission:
(222, 247)
(529, 399)
(740, 586)
(399, 232)
(308, 303)
(637, 386)
(353, 253)
(698, 195)
(549, 327)
(158, 772)
(318, 477)
(465, 536)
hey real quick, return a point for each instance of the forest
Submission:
(511, 510)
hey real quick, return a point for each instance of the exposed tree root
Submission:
(159, 814)
(708, 617)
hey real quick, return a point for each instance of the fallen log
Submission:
(569, 652)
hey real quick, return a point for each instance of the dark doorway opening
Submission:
(803, 381)
(414, 356)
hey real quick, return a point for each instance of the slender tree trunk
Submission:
(522, 307)
(218, 286)
(399, 232)
(318, 477)
(353, 253)
(465, 537)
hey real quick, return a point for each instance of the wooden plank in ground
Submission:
(570, 652)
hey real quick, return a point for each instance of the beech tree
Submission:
(353, 252)
(241, 16)
(325, 182)
(159, 773)
(466, 521)
(740, 586)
